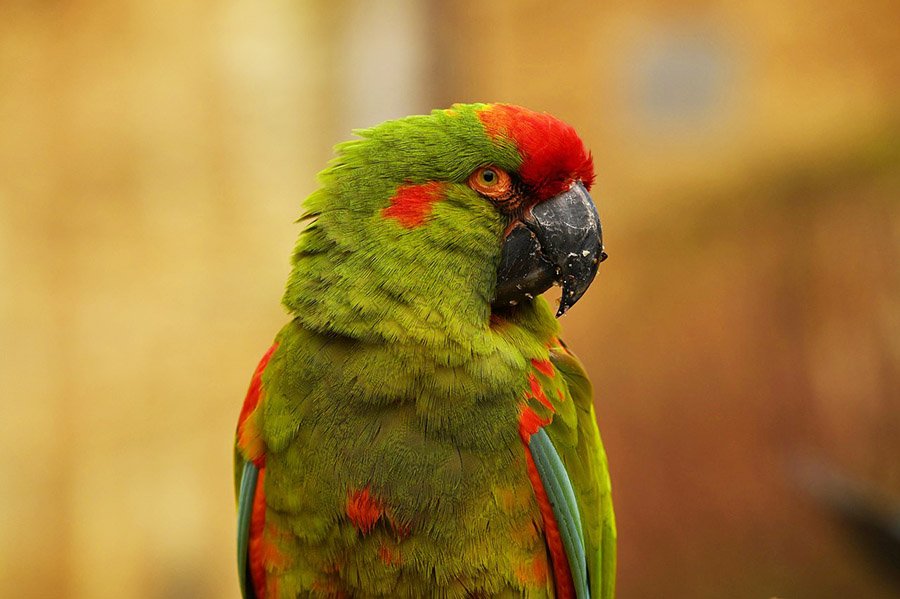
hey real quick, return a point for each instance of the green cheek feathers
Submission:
(412, 204)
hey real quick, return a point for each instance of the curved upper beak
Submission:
(559, 242)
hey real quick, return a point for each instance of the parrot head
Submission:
(444, 220)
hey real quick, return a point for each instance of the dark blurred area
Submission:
(153, 158)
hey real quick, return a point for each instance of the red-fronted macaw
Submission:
(418, 429)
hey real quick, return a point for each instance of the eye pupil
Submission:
(490, 181)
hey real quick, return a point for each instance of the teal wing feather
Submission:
(565, 507)
(576, 438)
(246, 493)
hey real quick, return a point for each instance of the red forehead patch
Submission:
(553, 156)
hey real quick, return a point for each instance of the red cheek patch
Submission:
(412, 204)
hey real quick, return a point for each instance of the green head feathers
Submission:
(400, 245)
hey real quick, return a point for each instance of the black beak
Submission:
(560, 242)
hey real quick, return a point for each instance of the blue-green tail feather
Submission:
(565, 508)
(245, 511)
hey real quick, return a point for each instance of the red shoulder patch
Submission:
(411, 204)
(553, 156)
(530, 422)
(247, 434)
(537, 392)
(545, 367)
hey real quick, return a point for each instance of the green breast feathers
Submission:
(417, 429)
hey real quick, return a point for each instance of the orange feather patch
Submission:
(534, 573)
(388, 556)
(363, 510)
(401, 529)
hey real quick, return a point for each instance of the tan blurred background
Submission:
(153, 157)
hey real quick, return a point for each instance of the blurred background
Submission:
(153, 158)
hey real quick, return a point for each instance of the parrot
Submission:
(418, 428)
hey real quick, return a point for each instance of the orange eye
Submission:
(490, 181)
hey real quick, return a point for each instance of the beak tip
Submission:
(571, 293)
